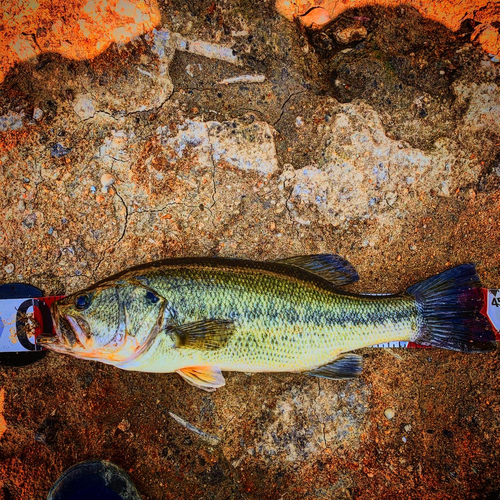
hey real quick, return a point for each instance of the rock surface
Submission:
(74, 29)
(453, 15)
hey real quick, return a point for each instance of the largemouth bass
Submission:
(201, 316)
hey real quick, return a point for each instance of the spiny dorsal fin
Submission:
(345, 366)
(207, 378)
(208, 334)
(332, 268)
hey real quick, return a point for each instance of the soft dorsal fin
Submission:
(207, 334)
(345, 366)
(207, 378)
(332, 268)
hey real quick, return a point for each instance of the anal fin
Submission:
(207, 378)
(344, 367)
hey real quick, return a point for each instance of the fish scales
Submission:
(282, 321)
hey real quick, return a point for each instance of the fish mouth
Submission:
(76, 329)
(69, 335)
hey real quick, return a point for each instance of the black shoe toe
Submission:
(94, 480)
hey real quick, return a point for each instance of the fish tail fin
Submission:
(449, 306)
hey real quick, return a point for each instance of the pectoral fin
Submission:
(345, 366)
(207, 378)
(208, 334)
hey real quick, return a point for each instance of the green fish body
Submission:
(201, 316)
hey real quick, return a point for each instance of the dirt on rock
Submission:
(379, 144)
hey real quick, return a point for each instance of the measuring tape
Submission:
(19, 303)
(24, 315)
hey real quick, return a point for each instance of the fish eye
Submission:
(152, 297)
(82, 302)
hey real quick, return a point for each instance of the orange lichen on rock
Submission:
(3, 423)
(488, 37)
(76, 29)
(450, 13)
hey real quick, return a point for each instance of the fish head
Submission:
(112, 323)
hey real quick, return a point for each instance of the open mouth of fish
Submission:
(69, 334)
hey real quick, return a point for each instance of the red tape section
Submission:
(42, 315)
(412, 345)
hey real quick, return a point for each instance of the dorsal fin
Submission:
(330, 267)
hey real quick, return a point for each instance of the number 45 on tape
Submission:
(493, 307)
